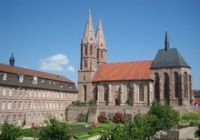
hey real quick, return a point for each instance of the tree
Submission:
(160, 117)
(9, 132)
(138, 129)
(55, 130)
(167, 116)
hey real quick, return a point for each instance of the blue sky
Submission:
(47, 33)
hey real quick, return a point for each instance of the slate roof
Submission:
(122, 71)
(29, 72)
(46, 81)
(169, 58)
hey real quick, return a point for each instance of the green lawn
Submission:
(80, 131)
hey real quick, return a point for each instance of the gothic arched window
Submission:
(190, 88)
(101, 53)
(95, 93)
(86, 65)
(141, 92)
(86, 50)
(157, 86)
(166, 87)
(90, 64)
(129, 95)
(85, 92)
(91, 50)
(176, 85)
(106, 96)
(185, 85)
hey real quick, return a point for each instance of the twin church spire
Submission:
(93, 46)
(90, 36)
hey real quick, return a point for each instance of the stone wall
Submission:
(73, 112)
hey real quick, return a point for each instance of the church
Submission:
(166, 78)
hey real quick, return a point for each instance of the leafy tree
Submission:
(9, 132)
(160, 117)
(55, 130)
(167, 116)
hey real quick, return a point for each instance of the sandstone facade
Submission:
(167, 78)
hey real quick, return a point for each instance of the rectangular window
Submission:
(3, 91)
(4, 76)
(9, 105)
(3, 105)
(10, 92)
(35, 80)
(21, 78)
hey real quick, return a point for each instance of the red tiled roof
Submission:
(139, 70)
(29, 72)
(197, 100)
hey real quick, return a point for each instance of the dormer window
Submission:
(4, 76)
(21, 78)
(35, 80)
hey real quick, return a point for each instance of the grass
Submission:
(80, 131)
(189, 119)
(28, 132)
(95, 131)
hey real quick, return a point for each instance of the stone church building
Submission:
(167, 78)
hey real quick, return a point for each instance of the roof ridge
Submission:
(128, 62)
(36, 71)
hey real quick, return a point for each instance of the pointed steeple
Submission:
(100, 36)
(167, 46)
(89, 35)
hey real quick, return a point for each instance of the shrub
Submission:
(9, 132)
(110, 116)
(92, 102)
(118, 118)
(128, 117)
(82, 117)
(78, 103)
(197, 133)
(102, 117)
(55, 130)
(129, 102)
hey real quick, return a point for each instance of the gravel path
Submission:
(188, 132)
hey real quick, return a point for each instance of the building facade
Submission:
(167, 78)
(28, 97)
(196, 95)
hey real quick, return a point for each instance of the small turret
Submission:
(12, 60)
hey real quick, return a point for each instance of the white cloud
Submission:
(71, 69)
(54, 63)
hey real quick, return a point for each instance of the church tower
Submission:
(88, 62)
(101, 45)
